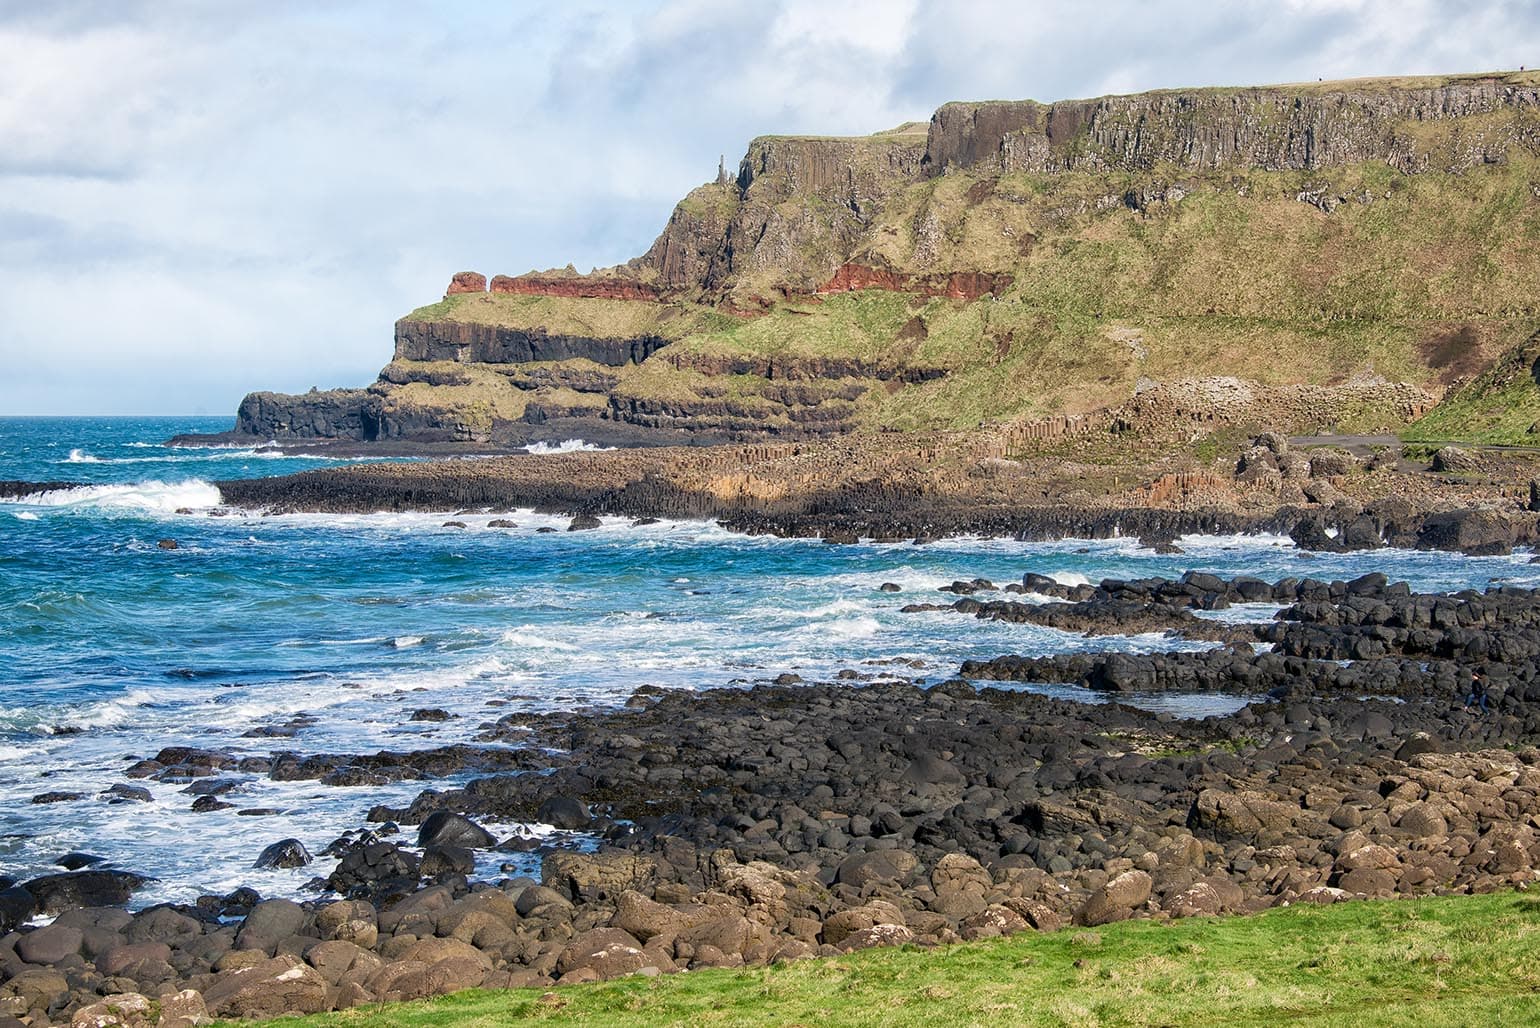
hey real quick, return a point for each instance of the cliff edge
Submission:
(1009, 262)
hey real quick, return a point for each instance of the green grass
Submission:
(1237, 278)
(1449, 961)
(1502, 405)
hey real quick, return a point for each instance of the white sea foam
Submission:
(565, 446)
(24, 515)
(164, 497)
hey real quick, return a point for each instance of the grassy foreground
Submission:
(1455, 960)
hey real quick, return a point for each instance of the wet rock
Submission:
(60, 892)
(75, 860)
(443, 828)
(564, 812)
(438, 861)
(282, 854)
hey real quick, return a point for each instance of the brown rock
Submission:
(992, 921)
(1423, 821)
(466, 282)
(352, 921)
(840, 926)
(862, 869)
(120, 1010)
(184, 1009)
(336, 959)
(878, 935)
(1117, 900)
(1037, 914)
(607, 952)
(129, 960)
(278, 986)
(646, 919)
(49, 945)
(594, 876)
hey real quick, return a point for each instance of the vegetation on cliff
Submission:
(1051, 259)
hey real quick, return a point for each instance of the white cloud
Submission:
(246, 195)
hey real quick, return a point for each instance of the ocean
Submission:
(336, 628)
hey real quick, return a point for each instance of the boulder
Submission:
(647, 919)
(564, 812)
(1117, 900)
(442, 828)
(862, 869)
(354, 921)
(286, 853)
(281, 985)
(607, 952)
(878, 935)
(49, 945)
(134, 960)
(596, 876)
(991, 922)
(119, 1010)
(55, 894)
(438, 861)
(269, 922)
(184, 1009)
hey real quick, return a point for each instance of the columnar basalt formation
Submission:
(1304, 127)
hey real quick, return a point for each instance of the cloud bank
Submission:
(199, 199)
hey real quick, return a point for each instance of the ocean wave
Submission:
(154, 495)
(78, 456)
(565, 446)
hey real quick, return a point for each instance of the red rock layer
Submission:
(578, 287)
(467, 282)
(955, 285)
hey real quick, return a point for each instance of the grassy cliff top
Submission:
(561, 315)
(1371, 84)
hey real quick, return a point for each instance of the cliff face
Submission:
(418, 340)
(796, 211)
(1007, 260)
(1301, 128)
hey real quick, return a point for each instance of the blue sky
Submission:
(200, 199)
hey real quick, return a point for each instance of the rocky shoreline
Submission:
(789, 820)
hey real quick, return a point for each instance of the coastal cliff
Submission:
(1008, 261)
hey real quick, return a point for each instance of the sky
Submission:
(202, 199)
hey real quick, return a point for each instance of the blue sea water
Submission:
(112, 647)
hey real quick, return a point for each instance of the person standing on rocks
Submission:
(1478, 692)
